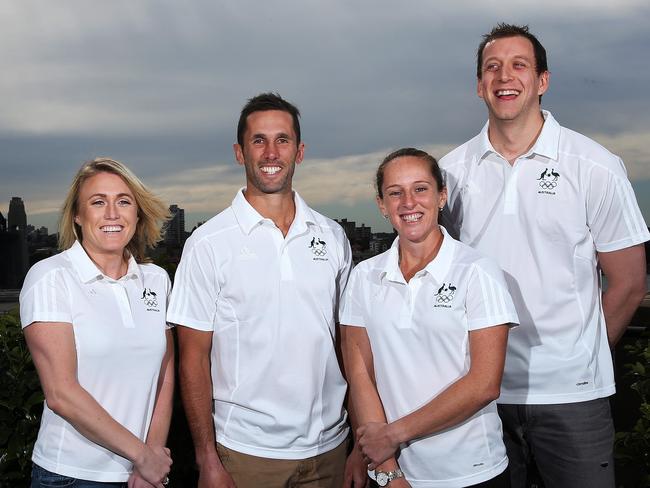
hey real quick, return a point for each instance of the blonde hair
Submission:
(152, 213)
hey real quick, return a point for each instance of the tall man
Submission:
(552, 206)
(256, 296)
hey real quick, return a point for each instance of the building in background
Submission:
(17, 215)
(175, 227)
(13, 246)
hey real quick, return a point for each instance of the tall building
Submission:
(348, 227)
(13, 246)
(175, 227)
(17, 215)
(362, 235)
(3, 223)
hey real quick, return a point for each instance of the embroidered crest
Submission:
(318, 248)
(445, 295)
(548, 181)
(150, 299)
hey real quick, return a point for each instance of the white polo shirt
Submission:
(271, 304)
(419, 333)
(119, 332)
(544, 219)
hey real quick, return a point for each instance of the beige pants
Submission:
(322, 471)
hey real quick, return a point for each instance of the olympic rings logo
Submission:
(319, 252)
(151, 302)
(445, 298)
(547, 185)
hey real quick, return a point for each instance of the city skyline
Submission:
(159, 86)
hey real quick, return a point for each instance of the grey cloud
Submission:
(159, 84)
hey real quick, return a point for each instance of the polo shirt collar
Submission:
(304, 215)
(391, 269)
(437, 268)
(248, 218)
(88, 271)
(547, 143)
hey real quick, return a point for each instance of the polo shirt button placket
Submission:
(286, 269)
(121, 295)
(511, 197)
(406, 316)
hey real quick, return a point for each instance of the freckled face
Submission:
(107, 214)
(270, 151)
(411, 199)
(509, 83)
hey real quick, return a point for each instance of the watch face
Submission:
(382, 478)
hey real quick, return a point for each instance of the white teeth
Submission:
(503, 93)
(111, 228)
(270, 170)
(412, 217)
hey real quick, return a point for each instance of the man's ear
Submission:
(300, 155)
(239, 153)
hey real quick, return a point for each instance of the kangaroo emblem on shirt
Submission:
(149, 297)
(548, 179)
(318, 247)
(445, 293)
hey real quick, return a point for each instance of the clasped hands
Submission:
(378, 442)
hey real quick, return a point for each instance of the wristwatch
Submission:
(382, 478)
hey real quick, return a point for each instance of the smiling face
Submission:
(509, 83)
(107, 214)
(411, 199)
(270, 152)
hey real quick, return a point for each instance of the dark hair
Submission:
(263, 102)
(503, 30)
(416, 153)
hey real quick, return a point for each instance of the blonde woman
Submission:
(94, 321)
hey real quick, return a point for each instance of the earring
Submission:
(386, 216)
(441, 208)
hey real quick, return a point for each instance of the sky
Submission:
(159, 84)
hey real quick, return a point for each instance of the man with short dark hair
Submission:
(553, 207)
(257, 303)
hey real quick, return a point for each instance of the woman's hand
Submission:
(377, 442)
(153, 464)
(136, 481)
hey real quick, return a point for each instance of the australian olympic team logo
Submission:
(548, 179)
(445, 295)
(149, 298)
(318, 247)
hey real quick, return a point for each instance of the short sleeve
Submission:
(168, 294)
(451, 216)
(195, 290)
(613, 215)
(488, 301)
(44, 297)
(352, 305)
(343, 276)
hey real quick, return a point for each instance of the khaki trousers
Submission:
(321, 471)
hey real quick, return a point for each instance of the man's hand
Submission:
(356, 471)
(215, 477)
(377, 443)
